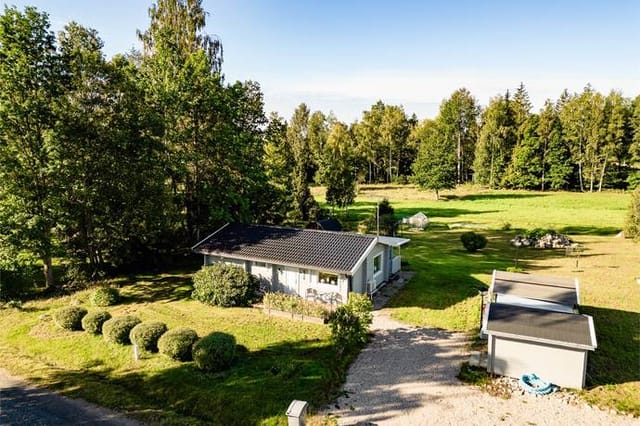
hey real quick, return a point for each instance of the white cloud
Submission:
(348, 94)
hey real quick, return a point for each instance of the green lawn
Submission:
(444, 291)
(284, 360)
(280, 360)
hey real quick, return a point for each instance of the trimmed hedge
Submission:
(116, 330)
(177, 343)
(146, 335)
(70, 317)
(214, 352)
(93, 321)
(104, 296)
(225, 285)
(295, 304)
(473, 242)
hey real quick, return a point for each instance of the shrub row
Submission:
(104, 296)
(214, 352)
(294, 304)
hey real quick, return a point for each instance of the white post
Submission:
(378, 218)
(136, 353)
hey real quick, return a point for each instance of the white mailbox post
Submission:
(297, 412)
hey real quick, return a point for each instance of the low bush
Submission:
(225, 285)
(214, 352)
(70, 317)
(473, 242)
(93, 321)
(632, 224)
(350, 322)
(177, 343)
(295, 304)
(146, 335)
(104, 296)
(116, 330)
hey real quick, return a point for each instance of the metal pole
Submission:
(378, 218)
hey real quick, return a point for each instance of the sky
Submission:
(343, 56)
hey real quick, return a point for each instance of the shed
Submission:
(330, 224)
(537, 291)
(418, 220)
(553, 345)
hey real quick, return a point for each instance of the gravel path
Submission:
(407, 376)
(23, 404)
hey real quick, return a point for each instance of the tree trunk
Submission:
(437, 195)
(48, 272)
(580, 176)
(604, 167)
(459, 165)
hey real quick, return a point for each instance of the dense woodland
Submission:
(109, 163)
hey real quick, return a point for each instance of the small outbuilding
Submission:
(553, 345)
(418, 221)
(330, 224)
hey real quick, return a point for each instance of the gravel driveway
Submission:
(23, 404)
(407, 376)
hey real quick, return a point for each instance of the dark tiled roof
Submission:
(539, 287)
(325, 250)
(537, 324)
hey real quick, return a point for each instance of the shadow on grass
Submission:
(258, 387)
(166, 288)
(589, 230)
(497, 196)
(616, 359)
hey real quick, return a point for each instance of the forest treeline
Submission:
(108, 163)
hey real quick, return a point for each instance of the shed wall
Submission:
(562, 366)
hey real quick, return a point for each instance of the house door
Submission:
(288, 279)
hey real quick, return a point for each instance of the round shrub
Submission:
(93, 321)
(225, 285)
(146, 335)
(473, 242)
(70, 317)
(116, 330)
(214, 352)
(104, 296)
(177, 343)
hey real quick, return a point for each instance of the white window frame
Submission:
(379, 257)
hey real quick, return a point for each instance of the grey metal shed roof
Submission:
(338, 252)
(539, 287)
(563, 329)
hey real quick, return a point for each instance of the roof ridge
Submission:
(293, 228)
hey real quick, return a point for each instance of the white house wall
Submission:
(379, 277)
(288, 279)
(561, 366)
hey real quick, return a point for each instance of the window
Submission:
(326, 278)
(377, 263)
(260, 264)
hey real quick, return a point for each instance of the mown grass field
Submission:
(444, 292)
(287, 360)
(280, 360)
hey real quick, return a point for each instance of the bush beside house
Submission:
(225, 285)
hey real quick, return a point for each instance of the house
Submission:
(330, 224)
(306, 262)
(533, 326)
